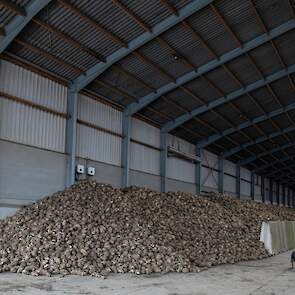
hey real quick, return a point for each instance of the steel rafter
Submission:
(279, 177)
(144, 101)
(141, 40)
(279, 170)
(227, 70)
(278, 173)
(226, 99)
(267, 152)
(266, 166)
(285, 179)
(258, 140)
(20, 21)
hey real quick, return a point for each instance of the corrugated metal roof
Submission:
(273, 12)
(71, 24)
(6, 15)
(103, 27)
(212, 31)
(223, 80)
(41, 38)
(143, 71)
(151, 12)
(111, 17)
(42, 62)
(183, 42)
(240, 16)
(160, 55)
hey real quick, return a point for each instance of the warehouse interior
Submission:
(195, 96)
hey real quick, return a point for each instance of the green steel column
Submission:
(125, 154)
(199, 172)
(71, 133)
(238, 181)
(220, 174)
(278, 193)
(163, 161)
(271, 191)
(252, 185)
(262, 189)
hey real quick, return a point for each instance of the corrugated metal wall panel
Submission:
(22, 83)
(274, 192)
(245, 188)
(209, 159)
(266, 189)
(144, 159)
(229, 167)
(97, 145)
(245, 174)
(27, 125)
(229, 184)
(266, 183)
(99, 114)
(209, 178)
(181, 144)
(181, 170)
(258, 177)
(146, 133)
(281, 193)
(257, 190)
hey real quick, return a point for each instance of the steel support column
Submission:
(252, 185)
(262, 189)
(125, 155)
(293, 198)
(199, 172)
(271, 190)
(163, 161)
(220, 174)
(238, 181)
(278, 193)
(71, 134)
(284, 194)
(289, 197)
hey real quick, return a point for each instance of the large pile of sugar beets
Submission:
(93, 229)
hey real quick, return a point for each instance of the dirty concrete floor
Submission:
(271, 276)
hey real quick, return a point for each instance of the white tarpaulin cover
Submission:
(278, 236)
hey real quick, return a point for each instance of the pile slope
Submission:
(93, 229)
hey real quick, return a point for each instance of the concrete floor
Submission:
(271, 276)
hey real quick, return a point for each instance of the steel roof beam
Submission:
(20, 21)
(141, 40)
(285, 178)
(267, 152)
(214, 137)
(279, 171)
(258, 140)
(282, 160)
(228, 98)
(219, 61)
(270, 174)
